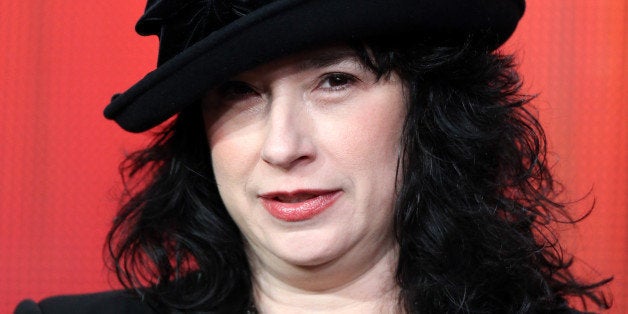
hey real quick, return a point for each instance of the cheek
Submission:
(232, 159)
(233, 147)
(371, 137)
(223, 170)
(230, 169)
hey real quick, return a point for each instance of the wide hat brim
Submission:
(288, 26)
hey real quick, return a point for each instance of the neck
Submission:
(334, 287)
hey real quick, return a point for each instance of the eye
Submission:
(337, 81)
(234, 90)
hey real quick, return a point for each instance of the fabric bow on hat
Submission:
(179, 23)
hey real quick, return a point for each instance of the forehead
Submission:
(325, 57)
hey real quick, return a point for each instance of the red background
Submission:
(61, 61)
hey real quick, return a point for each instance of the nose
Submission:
(288, 140)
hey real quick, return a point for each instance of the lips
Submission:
(298, 205)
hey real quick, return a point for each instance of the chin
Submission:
(317, 249)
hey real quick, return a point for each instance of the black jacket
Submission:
(117, 302)
(111, 302)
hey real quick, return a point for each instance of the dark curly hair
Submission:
(472, 219)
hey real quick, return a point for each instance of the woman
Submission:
(335, 156)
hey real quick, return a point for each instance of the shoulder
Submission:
(118, 302)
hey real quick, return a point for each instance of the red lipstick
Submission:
(298, 205)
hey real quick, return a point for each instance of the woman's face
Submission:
(304, 151)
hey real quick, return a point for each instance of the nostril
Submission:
(287, 156)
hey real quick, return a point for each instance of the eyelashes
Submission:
(329, 82)
(337, 81)
(235, 90)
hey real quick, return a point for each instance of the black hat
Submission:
(203, 42)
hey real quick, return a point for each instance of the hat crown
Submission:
(181, 23)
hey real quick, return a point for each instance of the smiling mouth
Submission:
(294, 199)
(299, 205)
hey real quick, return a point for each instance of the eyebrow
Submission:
(328, 58)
